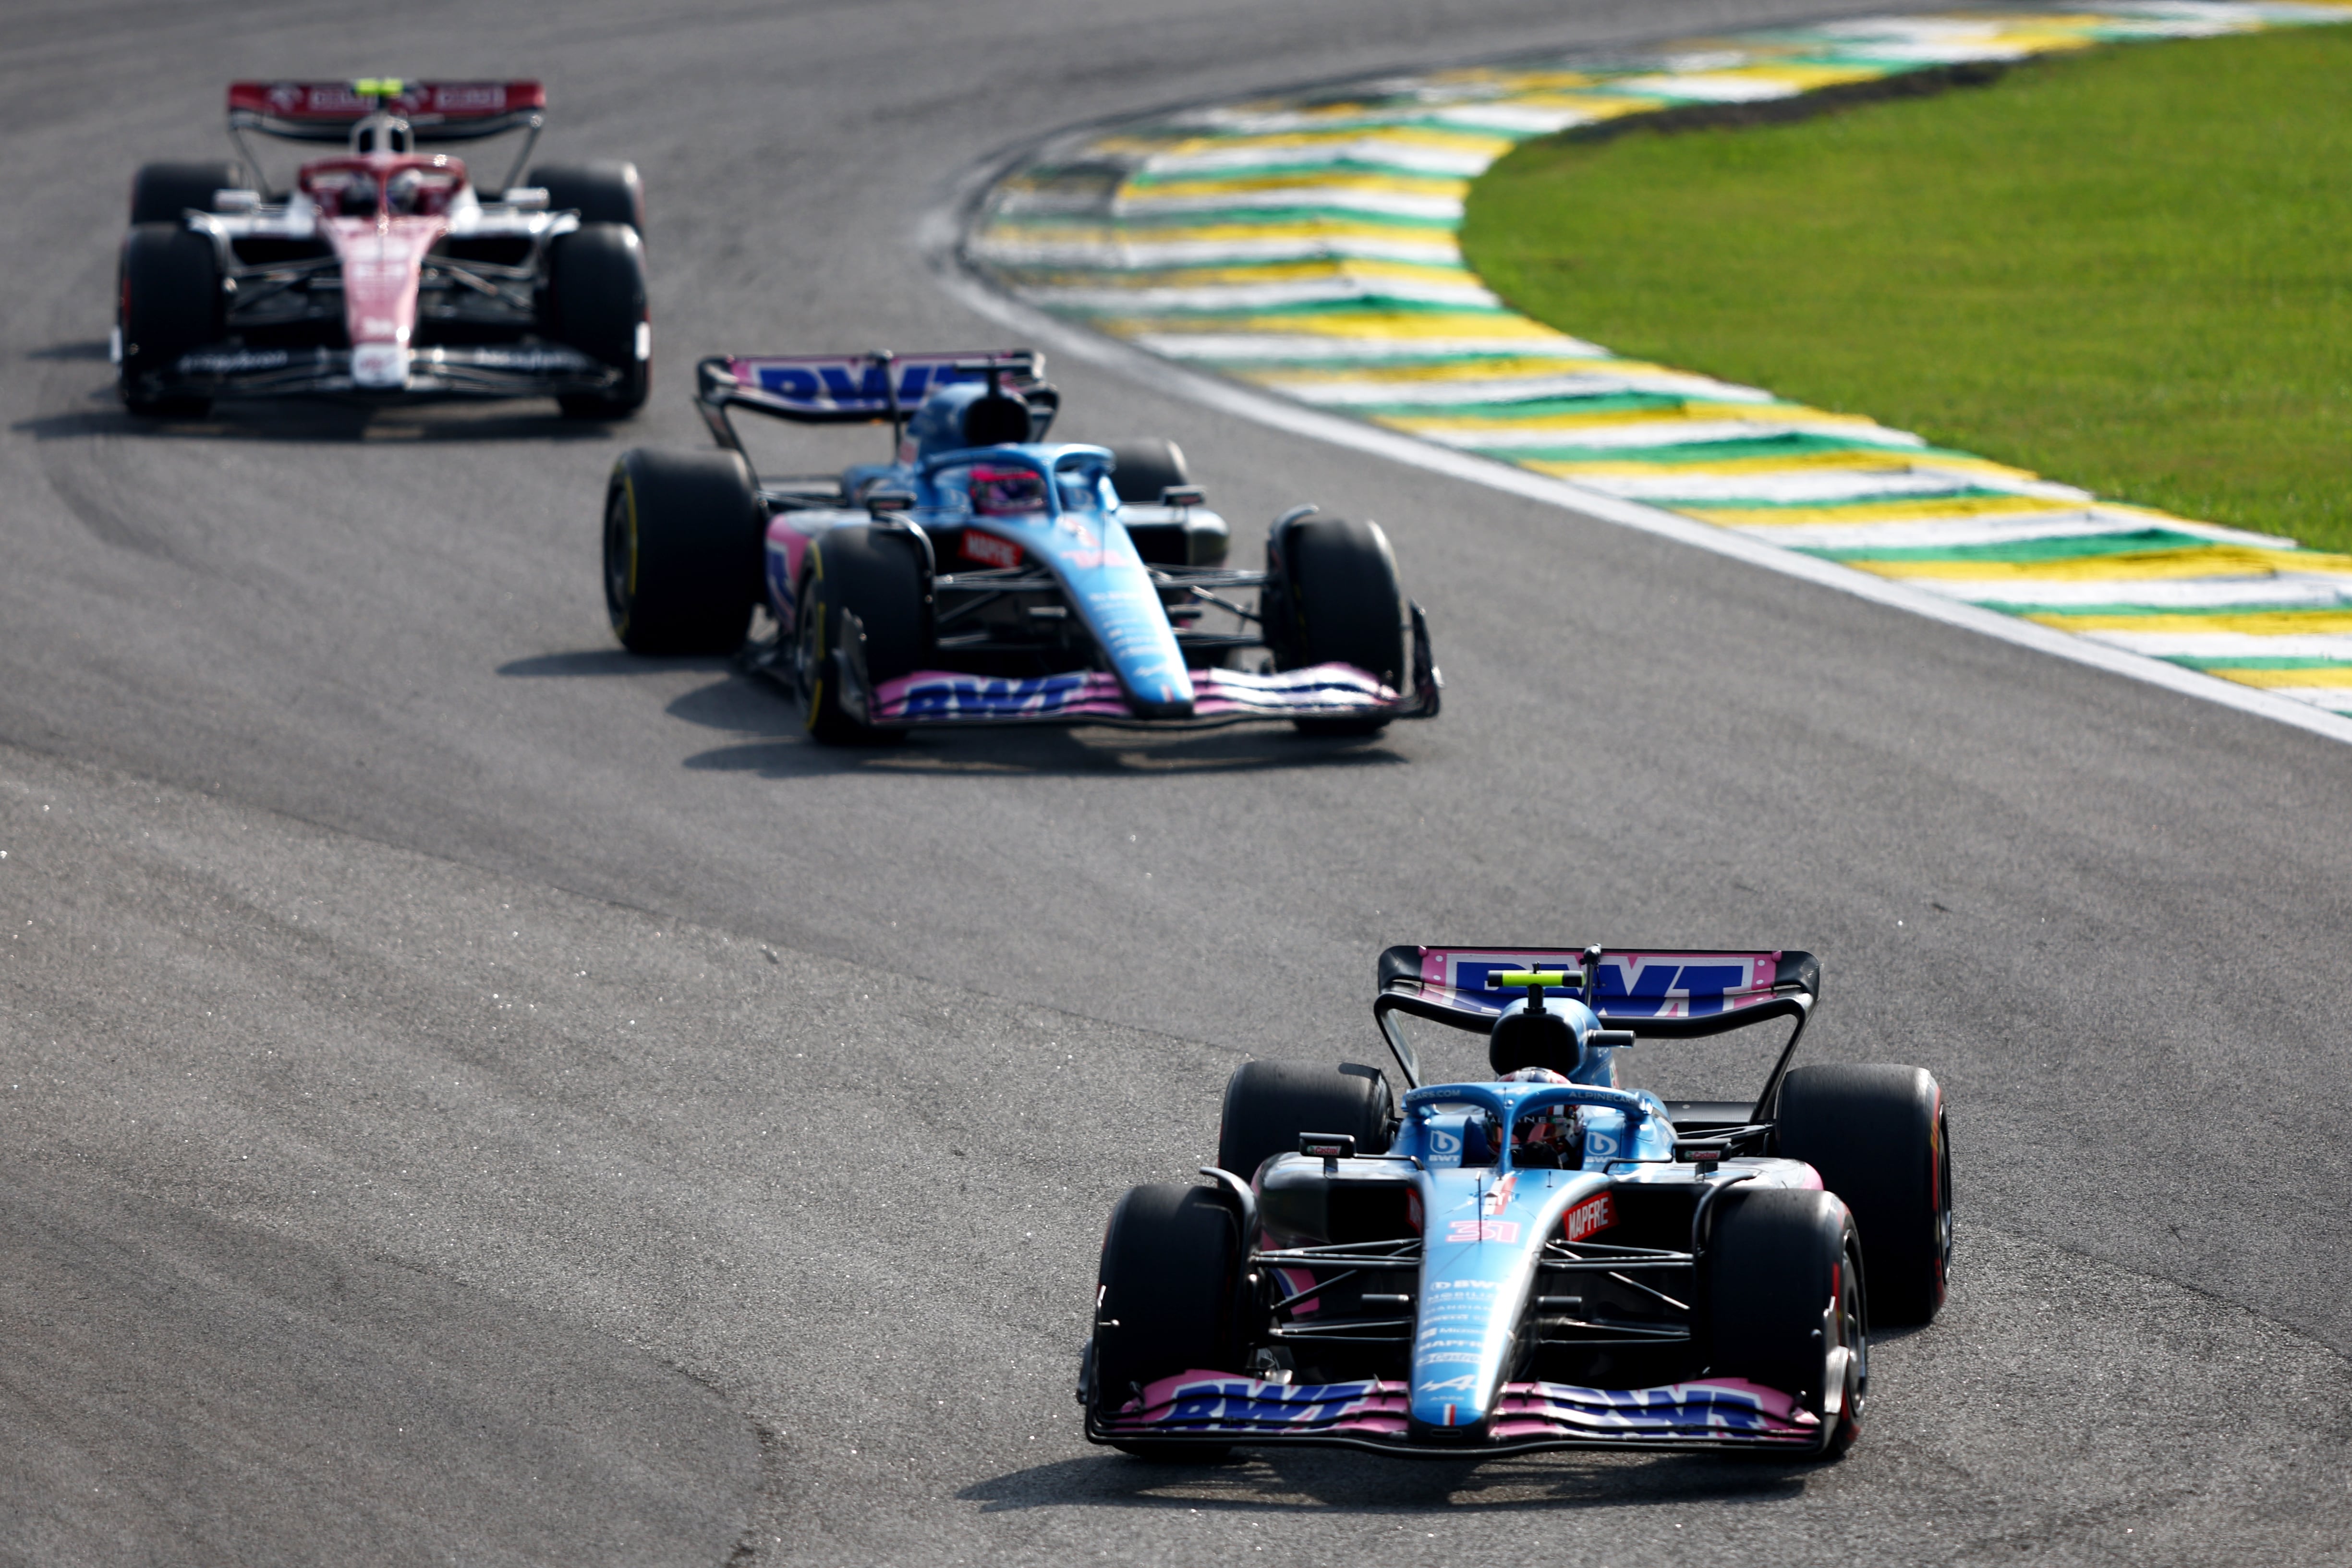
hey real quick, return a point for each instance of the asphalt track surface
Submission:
(471, 1096)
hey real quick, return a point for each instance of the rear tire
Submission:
(1146, 468)
(602, 191)
(685, 551)
(1878, 1136)
(1166, 1297)
(162, 193)
(169, 301)
(1334, 599)
(1269, 1104)
(880, 575)
(596, 303)
(1785, 1289)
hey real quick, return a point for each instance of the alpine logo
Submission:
(1594, 1214)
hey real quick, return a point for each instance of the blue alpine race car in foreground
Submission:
(987, 576)
(1544, 1259)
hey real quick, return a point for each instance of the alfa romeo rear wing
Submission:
(1660, 993)
(435, 110)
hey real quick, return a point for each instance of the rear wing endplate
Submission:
(1658, 993)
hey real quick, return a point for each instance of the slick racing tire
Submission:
(604, 191)
(1879, 1138)
(1784, 1293)
(161, 193)
(684, 550)
(1166, 1300)
(596, 303)
(879, 577)
(1332, 598)
(168, 301)
(1269, 1104)
(1146, 468)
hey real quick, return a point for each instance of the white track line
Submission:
(940, 233)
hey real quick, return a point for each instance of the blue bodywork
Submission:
(1078, 535)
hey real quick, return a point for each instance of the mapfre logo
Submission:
(1594, 1214)
(988, 549)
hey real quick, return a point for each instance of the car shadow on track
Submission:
(776, 747)
(1304, 1479)
(311, 419)
(773, 745)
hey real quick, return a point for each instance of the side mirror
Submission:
(525, 196)
(1332, 1147)
(881, 504)
(1610, 1040)
(1183, 495)
(236, 201)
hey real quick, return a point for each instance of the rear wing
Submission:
(435, 110)
(1660, 993)
(854, 388)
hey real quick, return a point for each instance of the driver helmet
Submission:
(1551, 1137)
(1007, 492)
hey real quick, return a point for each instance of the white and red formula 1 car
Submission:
(383, 270)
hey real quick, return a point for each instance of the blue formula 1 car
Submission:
(985, 575)
(1543, 1259)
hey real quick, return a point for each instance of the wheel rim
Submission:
(620, 557)
(808, 651)
(1854, 1334)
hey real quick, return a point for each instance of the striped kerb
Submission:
(1307, 246)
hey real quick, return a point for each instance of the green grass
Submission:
(2129, 271)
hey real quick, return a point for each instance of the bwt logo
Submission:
(1634, 986)
(834, 383)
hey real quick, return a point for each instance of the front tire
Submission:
(1785, 1296)
(684, 550)
(1166, 1297)
(1334, 599)
(1268, 1104)
(1878, 1136)
(169, 301)
(881, 579)
(596, 303)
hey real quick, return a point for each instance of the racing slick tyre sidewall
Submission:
(596, 303)
(1165, 1300)
(168, 301)
(880, 575)
(602, 191)
(161, 193)
(1785, 1285)
(1878, 1136)
(1334, 599)
(684, 550)
(1268, 1104)
(1146, 468)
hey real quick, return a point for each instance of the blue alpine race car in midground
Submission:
(985, 575)
(1542, 1258)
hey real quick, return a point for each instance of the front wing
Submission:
(491, 370)
(1224, 1407)
(944, 698)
